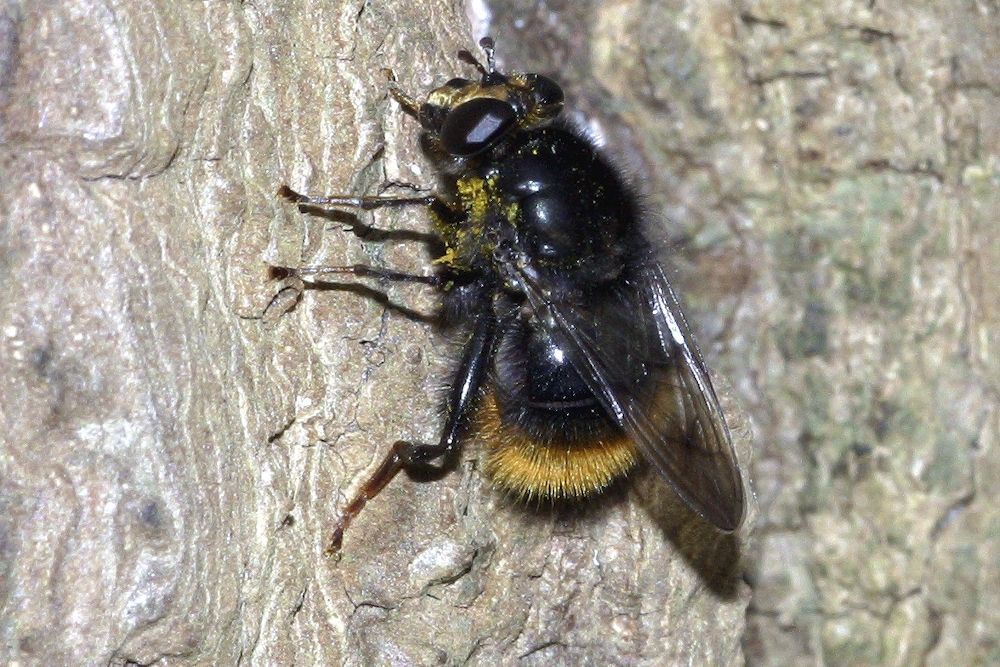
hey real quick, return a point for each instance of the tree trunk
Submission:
(179, 430)
(830, 174)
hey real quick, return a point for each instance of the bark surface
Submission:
(178, 429)
(831, 174)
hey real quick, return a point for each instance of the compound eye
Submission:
(475, 125)
(546, 91)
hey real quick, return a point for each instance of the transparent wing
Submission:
(632, 347)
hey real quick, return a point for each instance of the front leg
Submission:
(461, 400)
(351, 201)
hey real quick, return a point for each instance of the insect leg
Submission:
(411, 454)
(365, 271)
(350, 201)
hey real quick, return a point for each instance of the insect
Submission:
(578, 361)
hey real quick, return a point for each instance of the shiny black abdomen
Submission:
(540, 393)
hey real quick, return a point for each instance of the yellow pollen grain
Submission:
(513, 212)
(475, 197)
(449, 258)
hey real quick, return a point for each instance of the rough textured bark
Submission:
(178, 431)
(832, 169)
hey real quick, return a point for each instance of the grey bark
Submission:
(831, 171)
(179, 430)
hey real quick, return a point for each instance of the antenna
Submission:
(486, 44)
(467, 57)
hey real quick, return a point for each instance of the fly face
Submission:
(463, 117)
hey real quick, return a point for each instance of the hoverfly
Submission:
(578, 361)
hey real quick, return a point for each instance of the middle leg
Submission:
(366, 271)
